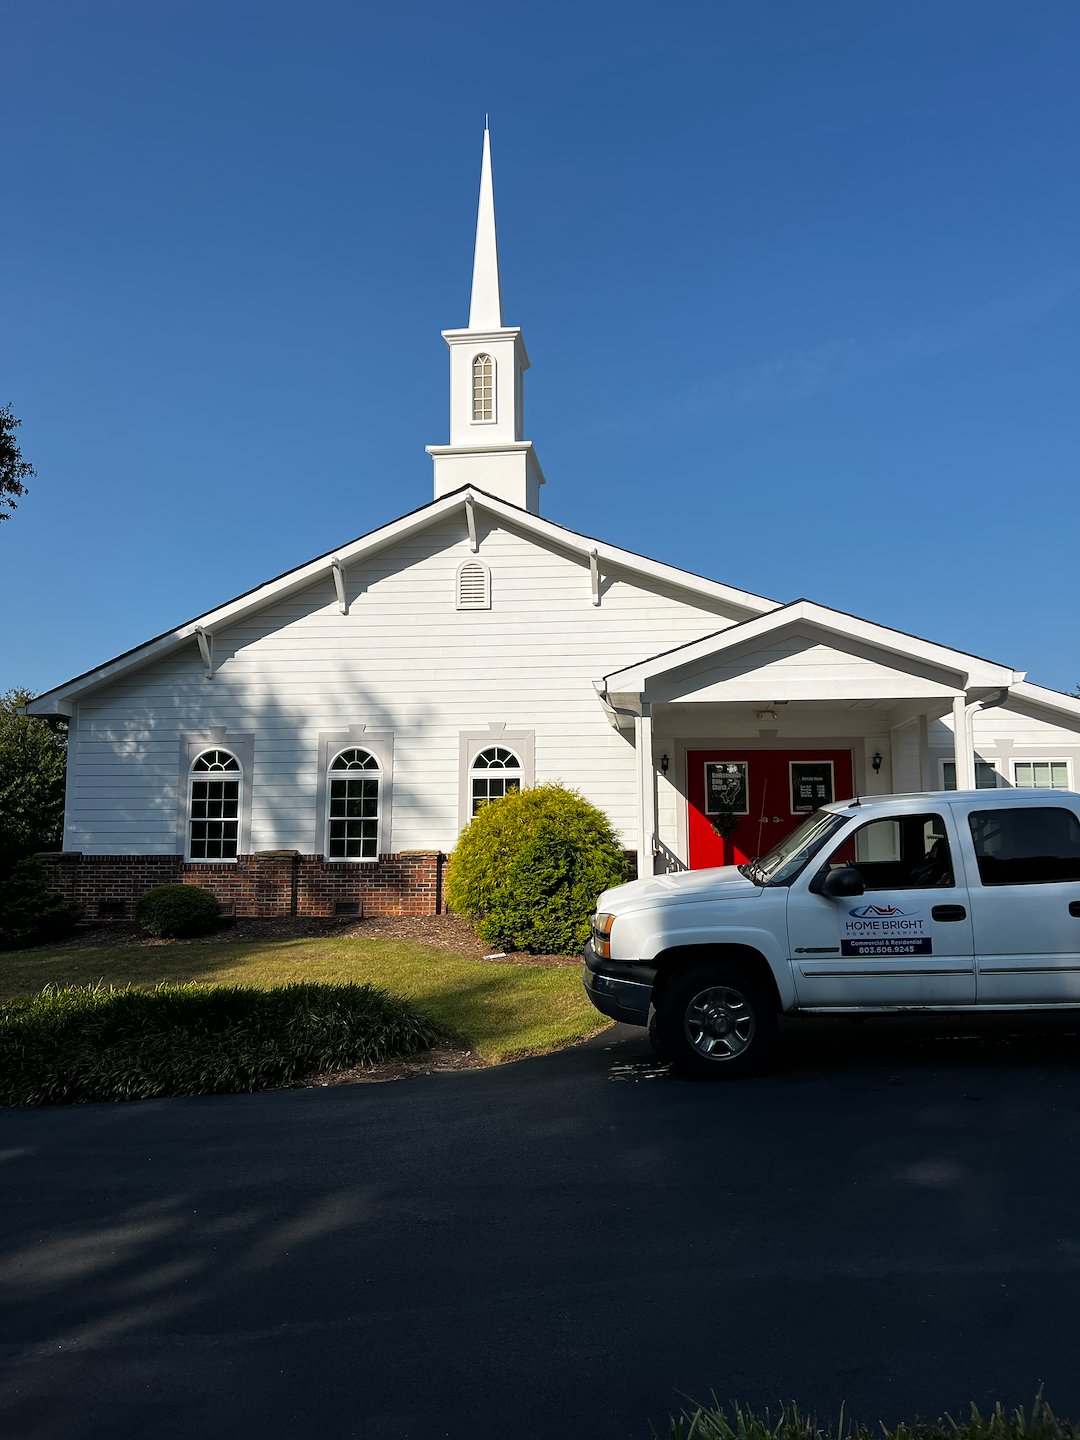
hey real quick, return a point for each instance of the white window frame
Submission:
(471, 742)
(476, 360)
(242, 748)
(201, 776)
(1016, 760)
(948, 760)
(379, 743)
(368, 772)
(504, 771)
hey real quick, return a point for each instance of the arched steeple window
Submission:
(483, 388)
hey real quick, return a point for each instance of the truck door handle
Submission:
(948, 912)
(1074, 908)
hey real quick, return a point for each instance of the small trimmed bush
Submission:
(173, 911)
(91, 1043)
(528, 868)
(31, 913)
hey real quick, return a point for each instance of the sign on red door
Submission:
(767, 792)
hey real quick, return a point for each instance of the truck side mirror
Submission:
(842, 884)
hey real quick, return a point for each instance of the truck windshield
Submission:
(784, 861)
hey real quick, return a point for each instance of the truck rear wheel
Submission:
(716, 1023)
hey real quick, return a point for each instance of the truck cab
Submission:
(937, 902)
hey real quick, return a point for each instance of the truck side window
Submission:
(1035, 845)
(905, 852)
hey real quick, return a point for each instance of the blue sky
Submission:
(800, 283)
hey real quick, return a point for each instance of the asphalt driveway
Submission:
(563, 1247)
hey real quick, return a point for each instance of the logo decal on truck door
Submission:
(884, 930)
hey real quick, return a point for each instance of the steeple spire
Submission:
(485, 311)
(488, 361)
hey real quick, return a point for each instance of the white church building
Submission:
(316, 745)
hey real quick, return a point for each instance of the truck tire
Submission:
(716, 1022)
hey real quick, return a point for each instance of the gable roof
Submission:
(976, 671)
(59, 699)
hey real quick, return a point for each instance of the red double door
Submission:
(764, 794)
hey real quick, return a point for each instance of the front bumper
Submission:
(617, 989)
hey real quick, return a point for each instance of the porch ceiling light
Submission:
(766, 714)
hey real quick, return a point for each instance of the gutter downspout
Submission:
(964, 740)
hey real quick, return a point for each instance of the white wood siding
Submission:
(1016, 731)
(403, 659)
(798, 667)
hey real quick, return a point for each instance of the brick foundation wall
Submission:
(271, 884)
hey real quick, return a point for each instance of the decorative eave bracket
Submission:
(206, 650)
(470, 521)
(594, 575)
(338, 571)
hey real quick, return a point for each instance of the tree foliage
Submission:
(13, 468)
(33, 754)
(30, 912)
(528, 868)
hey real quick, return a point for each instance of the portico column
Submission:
(643, 742)
(963, 752)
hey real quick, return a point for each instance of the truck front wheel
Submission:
(715, 1023)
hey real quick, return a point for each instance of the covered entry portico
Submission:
(756, 724)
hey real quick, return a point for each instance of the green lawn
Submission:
(501, 1011)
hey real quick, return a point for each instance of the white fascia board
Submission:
(1047, 699)
(975, 673)
(57, 701)
(571, 542)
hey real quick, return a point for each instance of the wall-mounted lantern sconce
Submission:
(876, 761)
(664, 763)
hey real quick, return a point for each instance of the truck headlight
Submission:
(601, 935)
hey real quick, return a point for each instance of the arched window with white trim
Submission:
(483, 388)
(354, 793)
(494, 772)
(214, 806)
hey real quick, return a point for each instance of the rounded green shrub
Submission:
(173, 911)
(528, 868)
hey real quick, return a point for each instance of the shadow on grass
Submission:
(501, 1011)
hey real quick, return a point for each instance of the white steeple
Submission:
(487, 369)
(485, 310)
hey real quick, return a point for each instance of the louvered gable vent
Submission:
(473, 586)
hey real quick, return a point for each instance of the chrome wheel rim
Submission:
(719, 1023)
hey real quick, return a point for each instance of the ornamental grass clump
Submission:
(92, 1043)
(528, 868)
(714, 1423)
(174, 911)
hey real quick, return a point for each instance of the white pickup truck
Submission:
(922, 903)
